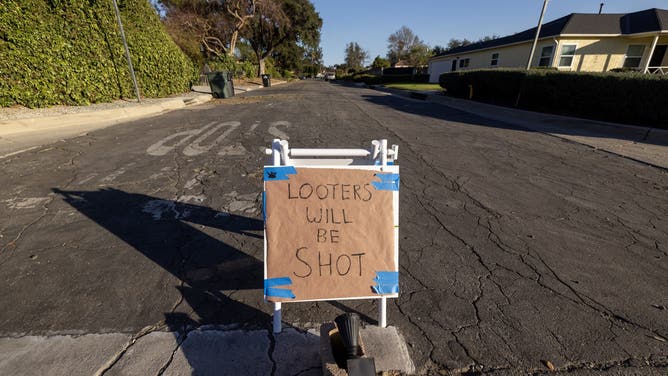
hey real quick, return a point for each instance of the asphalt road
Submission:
(519, 251)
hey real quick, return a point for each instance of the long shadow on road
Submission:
(578, 127)
(163, 231)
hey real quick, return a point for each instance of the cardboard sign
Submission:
(330, 233)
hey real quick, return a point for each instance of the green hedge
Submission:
(70, 52)
(618, 97)
(371, 79)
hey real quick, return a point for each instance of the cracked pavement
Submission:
(520, 252)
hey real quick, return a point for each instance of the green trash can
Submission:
(266, 80)
(221, 84)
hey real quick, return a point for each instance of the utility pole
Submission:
(127, 51)
(535, 40)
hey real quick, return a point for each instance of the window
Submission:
(545, 56)
(495, 60)
(567, 54)
(633, 56)
(463, 63)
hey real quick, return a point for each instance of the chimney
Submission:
(600, 9)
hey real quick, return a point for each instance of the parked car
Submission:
(330, 76)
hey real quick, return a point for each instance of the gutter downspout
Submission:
(651, 53)
(557, 53)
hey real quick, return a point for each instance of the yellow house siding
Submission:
(592, 54)
(601, 54)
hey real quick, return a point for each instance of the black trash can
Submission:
(221, 84)
(266, 80)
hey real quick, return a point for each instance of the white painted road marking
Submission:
(274, 131)
(161, 148)
(196, 147)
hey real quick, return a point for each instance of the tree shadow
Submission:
(208, 268)
(161, 230)
(580, 127)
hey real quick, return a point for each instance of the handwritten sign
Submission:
(330, 233)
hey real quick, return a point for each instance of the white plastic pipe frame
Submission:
(378, 154)
(282, 153)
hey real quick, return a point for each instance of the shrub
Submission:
(70, 52)
(239, 69)
(626, 98)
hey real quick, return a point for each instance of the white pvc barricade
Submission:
(377, 158)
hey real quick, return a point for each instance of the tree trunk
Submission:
(260, 69)
(233, 43)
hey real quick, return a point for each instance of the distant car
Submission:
(330, 76)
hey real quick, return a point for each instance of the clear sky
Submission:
(370, 22)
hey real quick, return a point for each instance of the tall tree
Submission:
(419, 55)
(241, 11)
(277, 22)
(198, 26)
(400, 44)
(355, 56)
(380, 62)
(454, 43)
(437, 50)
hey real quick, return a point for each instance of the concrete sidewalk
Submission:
(643, 144)
(203, 351)
(24, 129)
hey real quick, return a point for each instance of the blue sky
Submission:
(370, 22)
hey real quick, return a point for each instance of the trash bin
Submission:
(266, 80)
(221, 84)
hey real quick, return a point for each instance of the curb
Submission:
(638, 143)
(17, 136)
(101, 118)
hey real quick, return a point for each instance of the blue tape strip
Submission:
(387, 277)
(377, 163)
(386, 283)
(281, 281)
(388, 182)
(278, 173)
(270, 288)
(385, 289)
(279, 293)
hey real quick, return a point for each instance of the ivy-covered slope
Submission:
(70, 52)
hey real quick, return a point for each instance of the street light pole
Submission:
(535, 39)
(127, 51)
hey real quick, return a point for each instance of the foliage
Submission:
(355, 56)
(455, 43)
(380, 62)
(207, 28)
(414, 86)
(419, 55)
(371, 79)
(619, 97)
(288, 31)
(438, 50)
(229, 64)
(200, 28)
(400, 44)
(70, 52)
(279, 22)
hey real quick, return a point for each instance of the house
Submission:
(578, 42)
(401, 64)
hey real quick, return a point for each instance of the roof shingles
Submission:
(581, 24)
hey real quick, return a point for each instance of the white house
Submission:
(576, 42)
